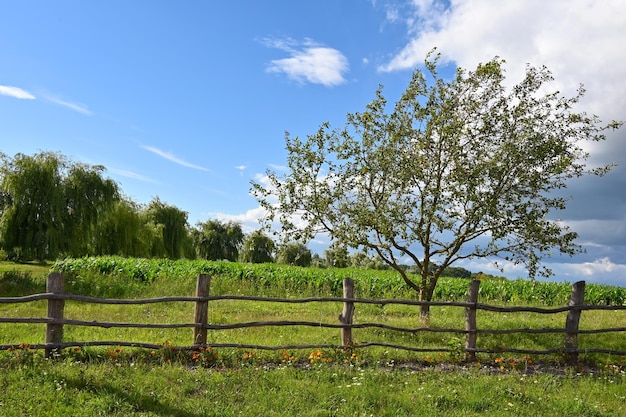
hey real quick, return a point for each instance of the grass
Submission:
(115, 388)
(116, 381)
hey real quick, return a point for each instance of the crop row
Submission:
(298, 280)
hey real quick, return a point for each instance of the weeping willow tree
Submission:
(172, 221)
(457, 169)
(215, 240)
(50, 205)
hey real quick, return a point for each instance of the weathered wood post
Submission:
(470, 320)
(201, 314)
(348, 312)
(55, 284)
(572, 321)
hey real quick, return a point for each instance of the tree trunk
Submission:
(424, 313)
(426, 294)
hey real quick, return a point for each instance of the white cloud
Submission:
(601, 270)
(132, 175)
(309, 62)
(15, 92)
(250, 220)
(80, 108)
(581, 41)
(278, 167)
(173, 158)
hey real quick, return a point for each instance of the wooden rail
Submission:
(56, 302)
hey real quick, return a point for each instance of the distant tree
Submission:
(175, 228)
(215, 240)
(317, 261)
(88, 197)
(456, 272)
(50, 205)
(125, 230)
(294, 253)
(257, 248)
(337, 256)
(459, 168)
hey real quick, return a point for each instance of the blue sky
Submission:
(189, 101)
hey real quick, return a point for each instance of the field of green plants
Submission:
(287, 280)
(119, 381)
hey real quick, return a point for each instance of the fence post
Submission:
(201, 314)
(55, 284)
(348, 312)
(470, 320)
(571, 322)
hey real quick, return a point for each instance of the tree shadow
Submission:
(18, 284)
(139, 402)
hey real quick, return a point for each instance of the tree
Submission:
(257, 248)
(215, 240)
(457, 169)
(88, 196)
(336, 256)
(174, 227)
(51, 205)
(126, 230)
(294, 253)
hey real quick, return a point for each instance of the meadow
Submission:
(117, 381)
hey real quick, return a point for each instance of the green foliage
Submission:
(285, 279)
(174, 228)
(215, 240)
(51, 206)
(457, 168)
(126, 230)
(337, 256)
(257, 248)
(294, 253)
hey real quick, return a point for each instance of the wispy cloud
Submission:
(309, 61)
(80, 108)
(19, 93)
(278, 167)
(173, 158)
(132, 175)
(15, 92)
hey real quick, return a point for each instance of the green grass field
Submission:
(117, 381)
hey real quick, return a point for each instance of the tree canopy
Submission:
(51, 205)
(458, 168)
(294, 253)
(215, 240)
(174, 227)
(257, 248)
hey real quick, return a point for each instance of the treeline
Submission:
(52, 207)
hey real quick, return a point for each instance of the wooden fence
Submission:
(55, 321)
